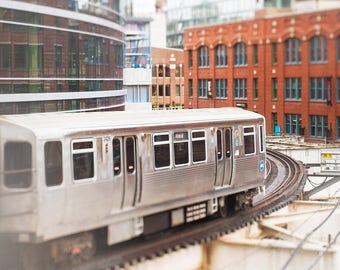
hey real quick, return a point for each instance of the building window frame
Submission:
(318, 49)
(221, 56)
(221, 88)
(292, 51)
(190, 58)
(5, 56)
(167, 90)
(338, 127)
(240, 88)
(274, 53)
(94, 51)
(255, 88)
(240, 54)
(318, 126)
(292, 88)
(274, 88)
(319, 88)
(58, 54)
(203, 57)
(190, 86)
(338, 89)
(178, 90)
(255, 54)
(292, 124)
(203, 88)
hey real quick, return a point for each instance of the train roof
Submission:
(67, 123)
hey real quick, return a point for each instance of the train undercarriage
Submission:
(76, 249)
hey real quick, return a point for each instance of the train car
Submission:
(66, 178)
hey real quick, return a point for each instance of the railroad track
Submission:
(285, 182)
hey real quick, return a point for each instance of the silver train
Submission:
(67, 177)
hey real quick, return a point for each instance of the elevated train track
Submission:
(285, 181)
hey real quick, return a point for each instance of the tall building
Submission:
(284, 66)
(60, 55)
(137, 68)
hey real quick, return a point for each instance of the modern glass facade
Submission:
(137, 68)
(190, 13)
(61, 55)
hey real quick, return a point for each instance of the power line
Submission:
(321, 254)
(308, 235)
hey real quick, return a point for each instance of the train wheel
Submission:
(73, 250)
(227, 205)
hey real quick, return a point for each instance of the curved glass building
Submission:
(61, 55)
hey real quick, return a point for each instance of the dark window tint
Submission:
(130, 155)
(162, 150)
(262, 139)
(83, 166)
(181, 148)
(249, 140)
(219, 144)
(53, 163)
(198, 146)
(18, 165)
(82, 145)
(83, 160)
(228, 143)
(117, 161)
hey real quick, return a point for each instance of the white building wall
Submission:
(310, 5)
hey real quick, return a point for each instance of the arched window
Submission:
(292, 51)
(203, 56)
(317, 49)
(221, 58)
(240, 54)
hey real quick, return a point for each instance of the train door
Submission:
(224, 157)
(125, 169)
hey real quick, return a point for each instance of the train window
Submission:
(83, 159)
(262, 139)
(161, 150)
(249, 140)
(82, 145)
(18, 164)
(198, 146)
(130, 154)
(117, 161)
(227, 143)
(53, 163)
(219, 144)
(181, 147)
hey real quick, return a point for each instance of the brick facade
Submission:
(167, 89)
(261, 36)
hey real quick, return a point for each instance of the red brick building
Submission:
(284, 66)
(167, 89)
